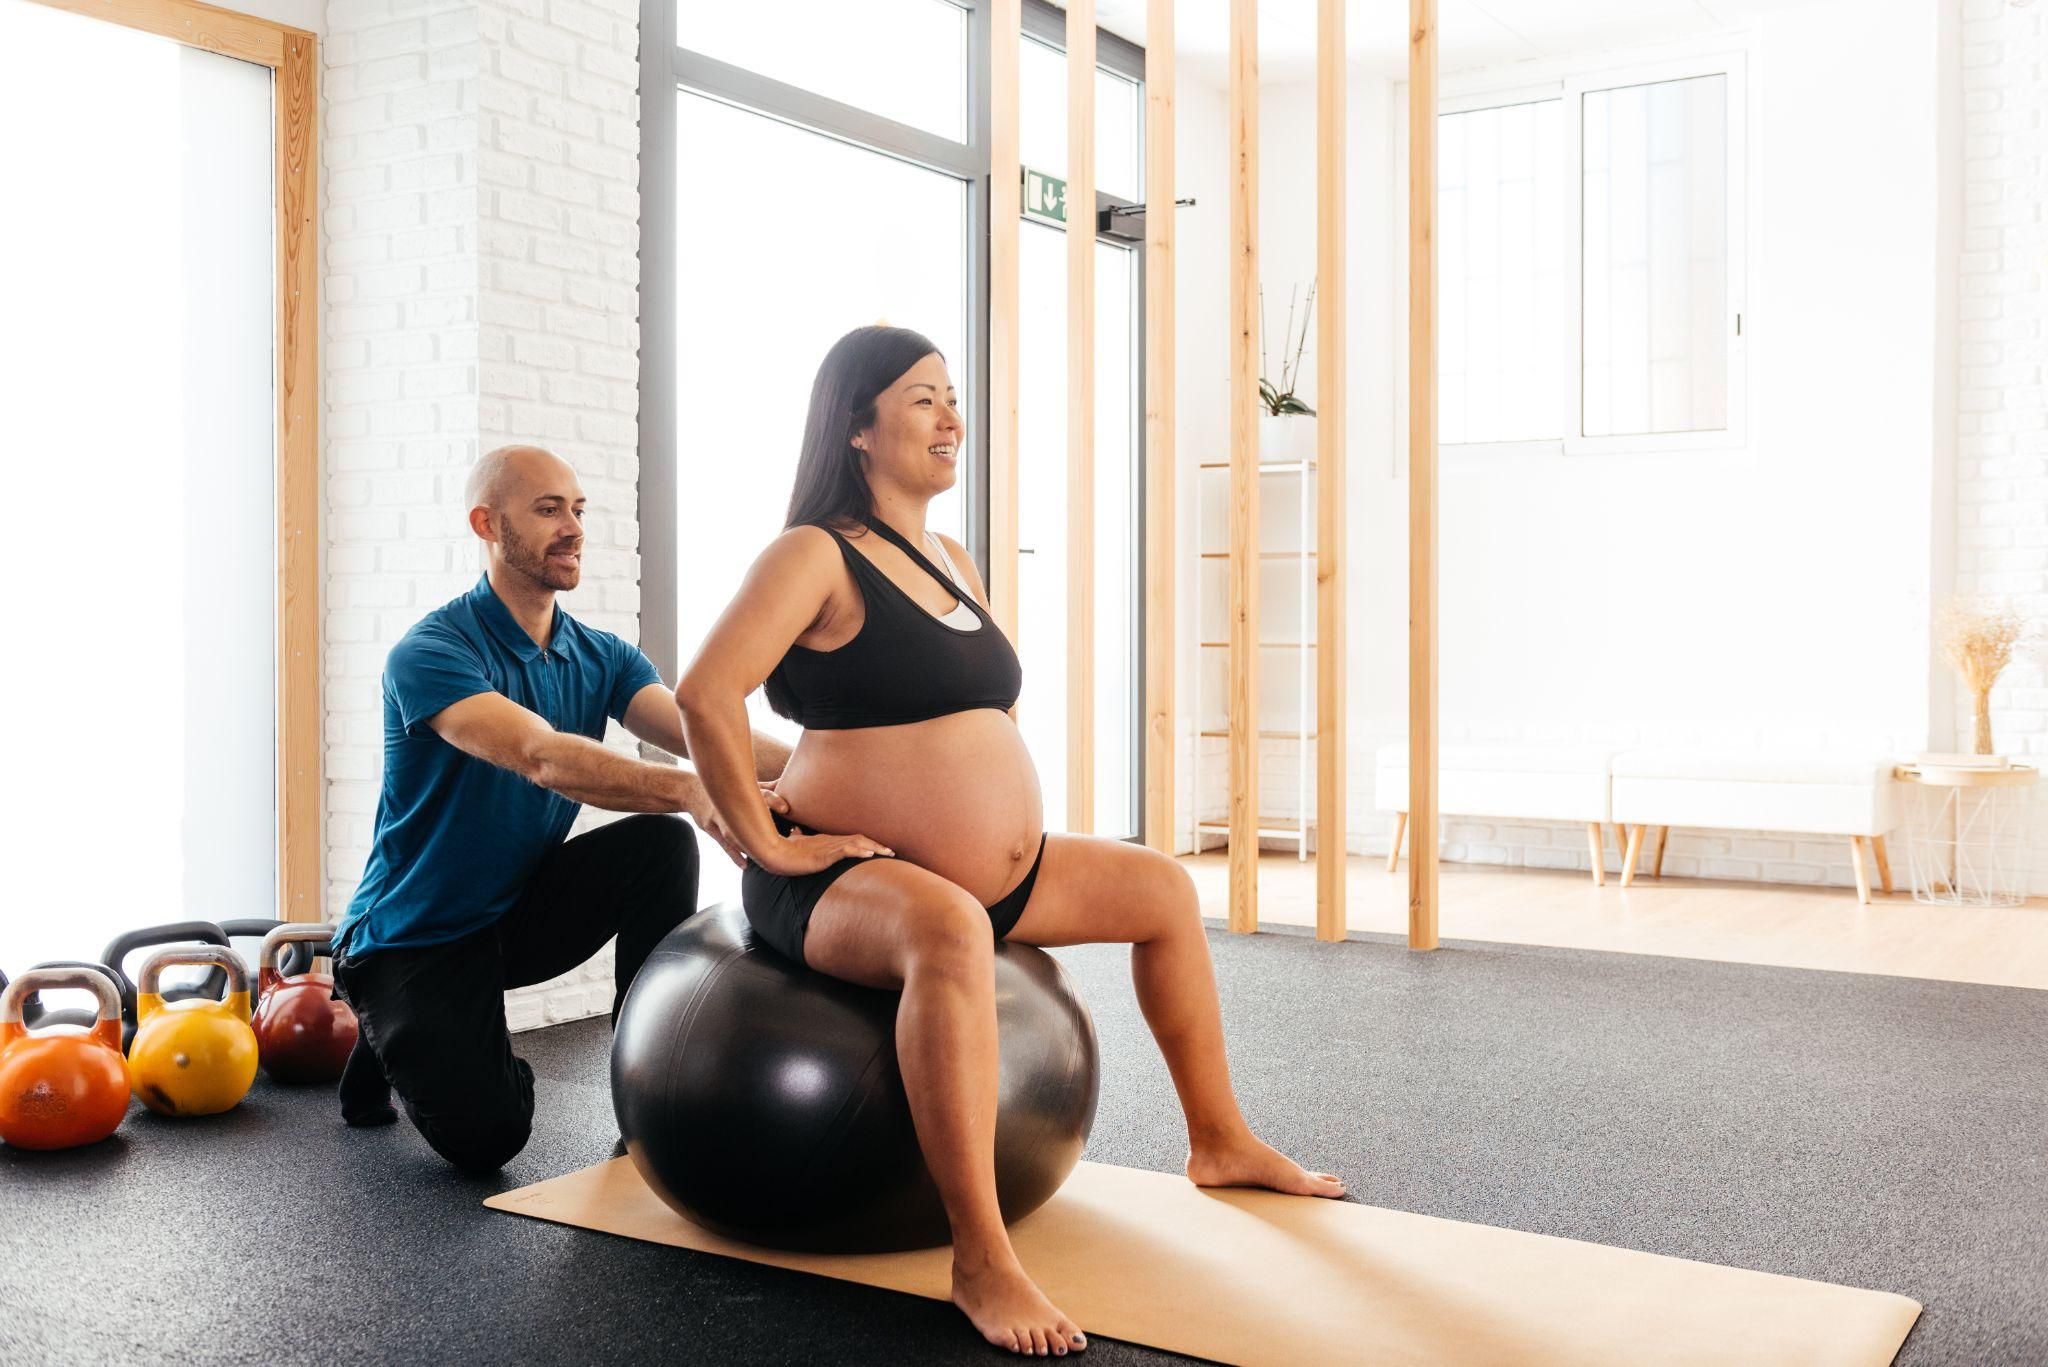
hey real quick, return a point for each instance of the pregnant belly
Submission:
(957, 795)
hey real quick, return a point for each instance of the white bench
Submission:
(1814, 793)
(1524, 782)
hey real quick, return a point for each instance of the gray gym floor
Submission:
(1880, 1132)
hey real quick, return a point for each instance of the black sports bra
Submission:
(903, 665)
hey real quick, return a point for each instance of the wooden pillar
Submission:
(1332, 414)
(1422, 517)
(1244, 458)
(1161, 506)
(1005, 207)
(1081, 416)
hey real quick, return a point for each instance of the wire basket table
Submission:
(1967, 837)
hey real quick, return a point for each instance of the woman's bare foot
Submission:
(1009, 1309)
(1248, 1161)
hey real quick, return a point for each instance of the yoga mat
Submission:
(1253, 1277)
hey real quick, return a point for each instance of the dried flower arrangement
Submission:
(1979, 637)
(1280, 398)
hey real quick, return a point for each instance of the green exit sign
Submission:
(1045, 198)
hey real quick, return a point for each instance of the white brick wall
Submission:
(482, 174)
(2002, 471)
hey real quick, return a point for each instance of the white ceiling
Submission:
(1471, 33)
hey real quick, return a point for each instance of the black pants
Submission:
(433, 1019)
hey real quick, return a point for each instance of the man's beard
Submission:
(536, 565)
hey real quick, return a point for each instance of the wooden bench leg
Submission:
(1884, 865)
(1862, 876)
(1657, 863)
(1394, 849)
(1598, 844)
(1628, 860)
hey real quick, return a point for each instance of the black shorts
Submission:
(779, 906)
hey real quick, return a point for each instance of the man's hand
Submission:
(712, 824)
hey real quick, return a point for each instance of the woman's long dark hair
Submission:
(830, 486)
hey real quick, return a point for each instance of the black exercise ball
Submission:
(762, 1100)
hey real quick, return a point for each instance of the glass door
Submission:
(808, 237)
(1044, 642)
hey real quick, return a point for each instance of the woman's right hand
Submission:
(798, 853)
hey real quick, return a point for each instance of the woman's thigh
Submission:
(874, 918)
(1094, 890)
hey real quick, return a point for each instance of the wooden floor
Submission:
(1751, 923)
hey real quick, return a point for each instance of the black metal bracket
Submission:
(1106, 221)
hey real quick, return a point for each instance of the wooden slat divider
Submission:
(1161, 505)
(1422, 491)
(1332, 409)
(1006, 207)
(1081, 416)
(1244, 456)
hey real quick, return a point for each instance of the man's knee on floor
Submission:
(480, 1141)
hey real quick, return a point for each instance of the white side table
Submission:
(1966, 838)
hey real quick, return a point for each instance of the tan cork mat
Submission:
(1252, 1277)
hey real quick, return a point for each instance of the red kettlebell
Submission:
(63, 1086)
(303, 1032)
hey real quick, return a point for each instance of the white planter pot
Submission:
(1289, 436)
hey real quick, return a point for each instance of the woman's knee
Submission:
(1174, 905)
(947, 931)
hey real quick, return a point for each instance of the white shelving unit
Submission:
(1295, 828)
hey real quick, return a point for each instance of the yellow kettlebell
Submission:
(192, 1057)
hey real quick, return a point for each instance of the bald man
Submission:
(494, 707)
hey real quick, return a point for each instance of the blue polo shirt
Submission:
(457, 837)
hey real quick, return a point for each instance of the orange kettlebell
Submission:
(303, 1031)
(192, 1057)
(65, 1085)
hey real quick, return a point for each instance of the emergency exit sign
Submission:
(1045, 198)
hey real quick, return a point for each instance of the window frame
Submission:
(293, 58)
(1576, 87)
(1486, 90)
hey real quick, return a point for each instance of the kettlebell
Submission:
(303, 1032)
(178, 932)
(297, 958)
(64, 1086)
(192, 1057)
(37, 1016)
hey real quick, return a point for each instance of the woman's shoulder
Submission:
(805, 548)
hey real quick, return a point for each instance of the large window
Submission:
(842, 201)
(1589, 279)
(761, 296)
(140, 346)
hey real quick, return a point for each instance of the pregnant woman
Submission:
(905, 688)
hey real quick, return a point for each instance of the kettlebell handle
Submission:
(42, 979)
(321, 936)
(225, 959)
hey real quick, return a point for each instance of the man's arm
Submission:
(497, 730)
(654, 717)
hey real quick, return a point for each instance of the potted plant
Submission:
(1979, 637)
(1283, 433)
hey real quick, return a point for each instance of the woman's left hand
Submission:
(712, 824)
